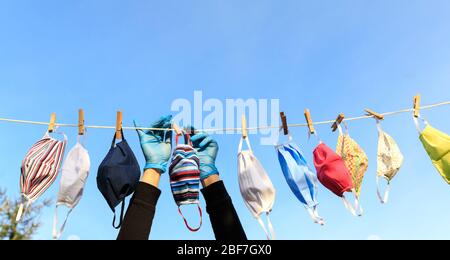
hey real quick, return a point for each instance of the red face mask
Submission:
(331, 170)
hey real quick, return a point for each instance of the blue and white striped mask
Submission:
(302, 181)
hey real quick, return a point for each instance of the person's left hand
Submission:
(207, 149)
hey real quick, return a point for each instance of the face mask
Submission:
(334, 175)
(185, 178)
(389, 161)
(118, 176)
(301, 180)
(354, 157)
(74, 173)
(40, 169)
(437, 145)
(256, 187)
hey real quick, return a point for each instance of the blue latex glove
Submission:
(207, 149)
(156, 145)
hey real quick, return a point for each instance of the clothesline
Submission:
(226, 129)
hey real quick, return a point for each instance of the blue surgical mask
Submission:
(302, 181)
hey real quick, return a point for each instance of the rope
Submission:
(225, 129)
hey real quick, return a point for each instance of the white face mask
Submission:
(389, 161)
(73, 178)
(256, 188)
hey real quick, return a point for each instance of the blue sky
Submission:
(139, 56)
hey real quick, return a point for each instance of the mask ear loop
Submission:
(343, 139)
(81, 138)
(346, 129)
(241, 145)
(57, 234)
(380, 130)
(187, 138)
(47, 134)
(316, 135)
(417, 123)
(279, 143)
(355, 209)
(314, 213)
(340, 129)
(186, 222)
(269, 231)
(383, 198)
(114, 138)
(24, 205)
(121, 216)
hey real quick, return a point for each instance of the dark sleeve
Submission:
(139, 217)
(224, 219)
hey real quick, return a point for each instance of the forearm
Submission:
(139, 217)
(210, 180)
(151, 177)
(224, 219)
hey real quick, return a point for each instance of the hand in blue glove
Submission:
(207, 149)
(156, 144)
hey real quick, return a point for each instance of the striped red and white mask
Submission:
(40, 168)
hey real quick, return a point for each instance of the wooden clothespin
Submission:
(119, 125)
(51, 125)
(416, 105)
(244, 127)
(374, 114)
(338, 121)
(309, 122)
(81, 122)
(284, 122)
(177, 129)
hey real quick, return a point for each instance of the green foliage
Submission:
(27, 227)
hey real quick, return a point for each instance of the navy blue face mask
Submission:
(118, 176)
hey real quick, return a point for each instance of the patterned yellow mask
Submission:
(354, 157)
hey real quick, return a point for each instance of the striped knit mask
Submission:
(39, 169)
(185, 177)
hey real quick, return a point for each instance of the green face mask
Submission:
(437, 145)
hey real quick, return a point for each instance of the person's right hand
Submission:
(207, 149)
(156, 145)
